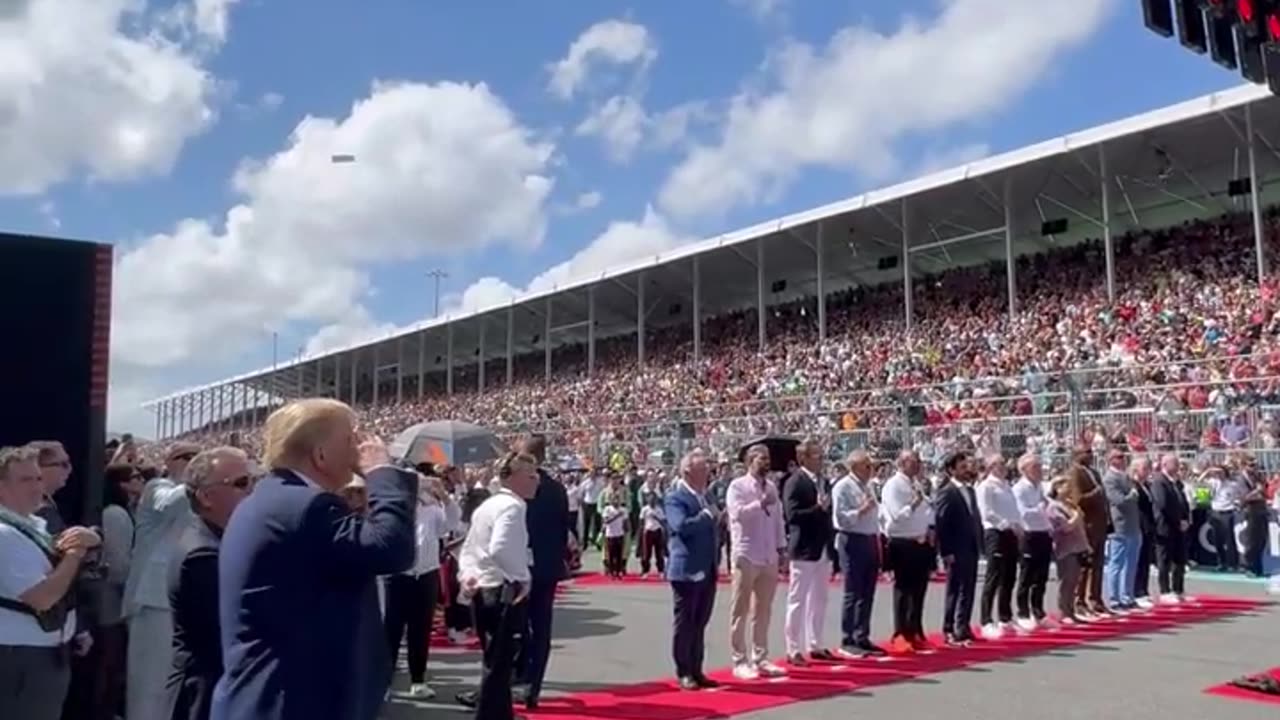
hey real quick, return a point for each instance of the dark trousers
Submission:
(912, 563)
(1171, 563)
(590, 523)
(693, 604)
(724, 548)
(109, 646)
(1033, 574)
(457, 616)
(1142, 578)
(411, 607)
(33, 682)
(1089, 590)
(497, 625)
(615, 556)
(653, 546)
(962, 585)
(860, 567)
(535, 649)
(573, 526)
(1001, 550)
(1224, 523)
(1255, 540)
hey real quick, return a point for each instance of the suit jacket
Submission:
(1170, 507)
(197, 649)
(959, 529)
(1087, 493)
(1124, 505)
(1146, 511)
(162, 516)
(297, 602)
(693, 539)
(808, 524)
(547, 517)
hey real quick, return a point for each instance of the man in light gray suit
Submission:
(1125, 539)
(163, 514)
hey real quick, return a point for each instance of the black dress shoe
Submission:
(872, 650)
(524, 697)
(688, 683)
(705, 682)
(822, 655)
(467, 698)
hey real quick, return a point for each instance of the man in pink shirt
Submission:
(757, 539)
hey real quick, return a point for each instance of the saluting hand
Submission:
(373, 453)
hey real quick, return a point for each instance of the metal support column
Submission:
(591, 329)
(511, 343)
(448, 359)
(760, 317)
(399, 370)
(1010, 266)
(480, 358)
(337, 376)
(640, 318)
(1108, 244)
(906, 263)
(422, 363)
(222, 406)
(159, 409)
(1254, 191)
(697, 310)
(246, 420)
(546, 342)
(355, 374)
(822, 277)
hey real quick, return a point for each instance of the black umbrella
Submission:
(782, 450)
(445, 442)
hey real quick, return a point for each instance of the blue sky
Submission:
(487, 146)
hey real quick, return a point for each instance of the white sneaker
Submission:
(745, 671)
(1145, 603)
(1170, 599)
(457, 637)
(1026, 624)
(992, 631)
(767, 669)
(421, 691)
(1068, 622)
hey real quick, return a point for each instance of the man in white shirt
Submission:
(907, 516)
(854, 514)
(1001, 529)
(162, 516)
(758, 539)
(411, 595)
(37, 573)
(592, 485)
(493, 567)
(1037, 542)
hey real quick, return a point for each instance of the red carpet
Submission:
(595, 579)
(1235, 693)
(662, 700)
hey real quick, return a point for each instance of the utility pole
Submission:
(437, 274)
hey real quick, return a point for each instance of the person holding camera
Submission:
(37, 599)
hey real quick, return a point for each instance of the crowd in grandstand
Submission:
(1190, 338)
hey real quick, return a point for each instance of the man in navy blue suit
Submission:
(301, 636)
(959, 529)
(693, 548)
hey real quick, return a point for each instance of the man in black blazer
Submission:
(1173, 520)
(549, 521)
(297, 601)
(216, 482)
(806, 502)
(959, 530)
(1141, 472)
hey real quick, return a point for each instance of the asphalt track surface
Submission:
(612, 642)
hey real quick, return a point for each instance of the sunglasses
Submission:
(243, 482)
(64, 464)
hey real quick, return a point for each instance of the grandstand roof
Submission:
(1169, 164)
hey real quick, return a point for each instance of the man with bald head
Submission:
(1173, 520)
(215, 482)
(1036, 543)
(855, 516)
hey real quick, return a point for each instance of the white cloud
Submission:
(270, 100)
(96, 87)
(937, 160)
(589, 200)
(622, 242)
(211, 18)
(441, 168)
(610, 42)
(354, 328)
(847, 104)
(620, 124)
(761, 9)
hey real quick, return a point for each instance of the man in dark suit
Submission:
(1173, 520)
(297, 600)
(806, 502)
(694, 548)
(1087, 493)
(216, 482)
(959, 530)
(548, 520)
(1147, 530)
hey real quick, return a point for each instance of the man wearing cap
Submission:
(163, 514)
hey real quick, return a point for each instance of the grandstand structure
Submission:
(1196, 159)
